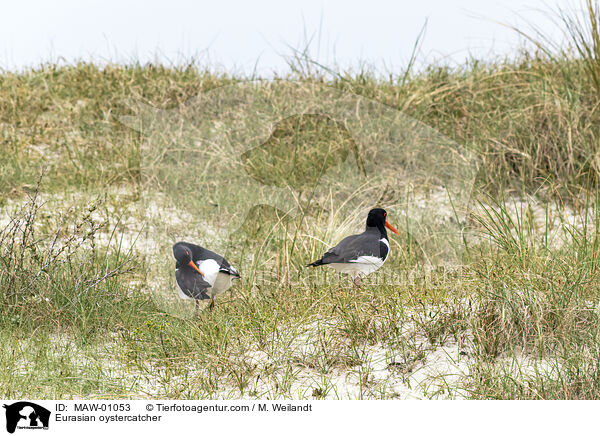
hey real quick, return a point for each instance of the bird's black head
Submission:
(378, 218)
(182, 253)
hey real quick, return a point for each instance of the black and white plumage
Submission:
(360, 255)
(201, 274)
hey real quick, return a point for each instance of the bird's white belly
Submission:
(210, 269)
(361, 266)
(222, 283)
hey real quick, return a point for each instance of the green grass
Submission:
(89, 306)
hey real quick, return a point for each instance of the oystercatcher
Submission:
(201, 274)
(359, 255)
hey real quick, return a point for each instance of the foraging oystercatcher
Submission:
(201, 274)
(359, 255)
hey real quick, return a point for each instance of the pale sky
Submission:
(239, 36)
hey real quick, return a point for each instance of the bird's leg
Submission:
(197, 307)
(212, 303)
(357, 282)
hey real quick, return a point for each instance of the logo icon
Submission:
(26, 415)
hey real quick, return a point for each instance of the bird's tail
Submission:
(316, 263)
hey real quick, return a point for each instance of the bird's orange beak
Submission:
(389, 226)
(193, 265)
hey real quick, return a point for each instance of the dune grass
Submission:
(89, 307)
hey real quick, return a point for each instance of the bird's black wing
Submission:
(191, 283)
(201, 253)
(350, 248)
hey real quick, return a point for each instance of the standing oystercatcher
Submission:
(201, 274)
(359, 255)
